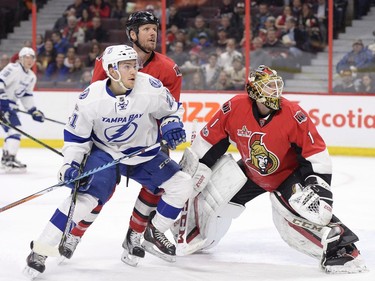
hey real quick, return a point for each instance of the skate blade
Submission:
(9, 170)
(355, 266)
(149, 247)
(129, 259)
(31, 273)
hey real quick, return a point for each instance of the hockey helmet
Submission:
(139, 18)
(26, 51)
(265, 86)
(112, 55)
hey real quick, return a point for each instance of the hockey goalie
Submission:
(281, 153)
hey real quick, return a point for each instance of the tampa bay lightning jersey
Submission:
(119, 124)
(17, 84)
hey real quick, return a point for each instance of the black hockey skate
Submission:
(35, 265)
(10, 164)
(69, 246)
(338, 257)
(157, 244)
(133, 249)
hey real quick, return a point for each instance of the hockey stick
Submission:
(48, 119)
(7, 124)
(83, 175)
(71, 207)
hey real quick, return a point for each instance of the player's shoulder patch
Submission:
(226, 107)
(84, 94)
(300, 116)
(177, 70)
(154, 82)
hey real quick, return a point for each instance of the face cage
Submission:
(268, 92)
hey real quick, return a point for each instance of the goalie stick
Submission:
(83, 175)
(182, 237)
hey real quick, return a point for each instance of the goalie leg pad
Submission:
(226, 180)
(200, 173)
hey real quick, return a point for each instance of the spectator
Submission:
(78, 6)
(237, 73)
(226, 8)
(226, 58)
(181, 36)
(85, 80)
(39, 44)
(197, 81)
(203, 44)
(223, 83)
(118, 10)
(268, 24)
(315, 41)
(259, 55)
(62, 22)
(178, 53)
(261, 16)
(211, 71)
(4, 61)
(346, 84)
(57, 71)
(200, 26)
(59, 43)
(277, 52)
(359, 58)
(46, 56)
(100, 9)
(76, 71)
(189, 67)
(222, 38)
(297, 11)
(231, 30)
(367, 84)
(85, 22)
(239, 15)
(94, 52)
(294, 38)
(175, 18)
(280, 22)
(72, 33)
(320, 9)
(70, 57)
(97, 32)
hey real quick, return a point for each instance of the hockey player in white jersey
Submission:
(17, 82)
(112, 118)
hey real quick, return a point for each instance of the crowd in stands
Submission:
(206, 40)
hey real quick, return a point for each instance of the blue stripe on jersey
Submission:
(59, 220)
(69, 137)
(167, 210)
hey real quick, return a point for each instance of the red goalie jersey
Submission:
(271, 148)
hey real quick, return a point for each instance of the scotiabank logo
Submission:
(351, 119)
(201, 111)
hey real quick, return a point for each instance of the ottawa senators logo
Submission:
(260, 158)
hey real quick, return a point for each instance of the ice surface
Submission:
(251, 250)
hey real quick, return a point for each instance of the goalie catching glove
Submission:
(36, 114)
(313, 201)
(70, 172)
(172, 131)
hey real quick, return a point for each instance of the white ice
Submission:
(251, 250)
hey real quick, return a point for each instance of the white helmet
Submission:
(26, 51)
(114, 54)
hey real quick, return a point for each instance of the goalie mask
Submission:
(265, 86)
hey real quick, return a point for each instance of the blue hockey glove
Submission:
(173, 133)
(71, 171)
(36, 114)
(5, 110)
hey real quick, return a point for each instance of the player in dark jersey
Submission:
(281, 153)
(142, 31)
